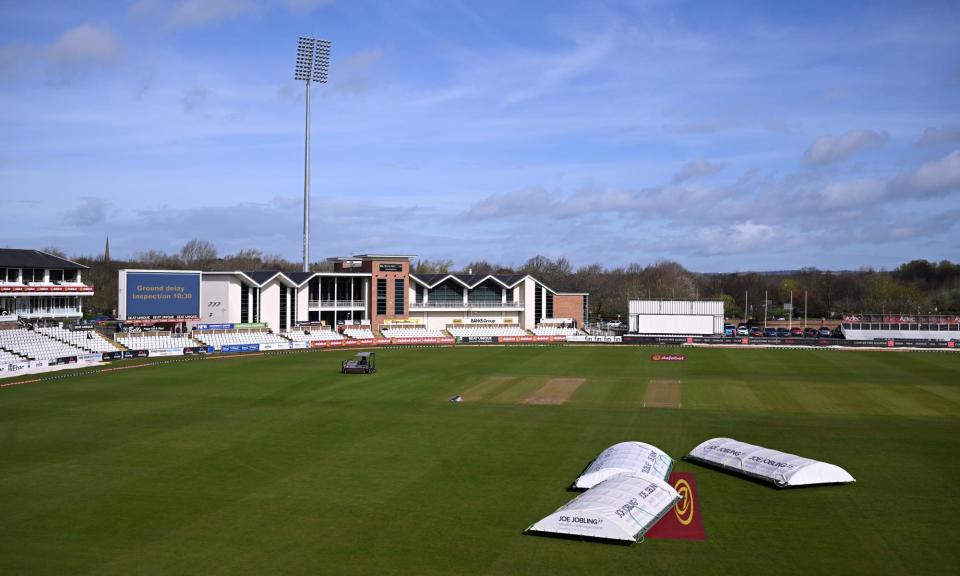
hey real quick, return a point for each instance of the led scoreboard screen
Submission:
(167, 295)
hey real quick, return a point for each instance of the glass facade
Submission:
(399, 287)
(284, 295)
(244, 303)
(488, 292)
(448, 292)
(537, 302)
(382, 296)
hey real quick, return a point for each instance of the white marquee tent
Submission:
(772, 465)
(621, 508)
(630, 457)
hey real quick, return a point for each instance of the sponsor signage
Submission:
(8, 317)
(189, 350)
(515, 339)
(230, 348)
(591, 338)
(213, 327)
(136, 353)
(160, 295)
(167, 352)
(391, 268)
(251, 325)
(108, 356)
(479, 339)
(65, 360)
(274, 346)
(402, 321)
(14, 367)
(668, 357)
(684, 521)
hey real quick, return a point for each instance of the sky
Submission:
(727, 136)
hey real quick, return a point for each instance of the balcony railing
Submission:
(460, 304)
(338, 304)
(39, 313)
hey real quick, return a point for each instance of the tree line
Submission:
(916, 287)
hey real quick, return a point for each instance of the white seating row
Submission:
(358, 333)
(555, 331)
(36, 345)
(8, 357)
(411, 333)
(154, 341)
(312, 334)
(89, 340)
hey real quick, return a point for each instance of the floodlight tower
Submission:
(313, 61)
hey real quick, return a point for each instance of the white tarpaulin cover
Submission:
(621, 508)
(635, 457)
(778, 467)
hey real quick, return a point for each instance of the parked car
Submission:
(825, 332)
(770, 332)
(796, 331)
(783, 332)
(810, 333)
(729, 330)
(756, 331)
(743, 331)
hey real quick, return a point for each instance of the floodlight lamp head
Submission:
(313, 60)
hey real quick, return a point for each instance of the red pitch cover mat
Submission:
(684, 521)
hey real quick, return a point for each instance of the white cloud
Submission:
(855, 194)
(939, 136)
(195, 13)
(513, 204)
(746, 236)
(91, 212)
(934, 178)
(82, 47)
(549, 72)
(698, 169)
(353, 73)
(829, 149)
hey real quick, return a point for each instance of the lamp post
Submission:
(313, 61)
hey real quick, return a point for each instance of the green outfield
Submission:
(281, 465)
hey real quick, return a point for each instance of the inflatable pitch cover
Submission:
(629, 458)
(621, 508)
(773, 466)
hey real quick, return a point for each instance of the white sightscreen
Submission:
(781, 468)
(621, 508)
(667, 324)
(631, 457)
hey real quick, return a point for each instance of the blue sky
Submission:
(726, 136)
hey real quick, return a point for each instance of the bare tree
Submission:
(424, 266)
(198, 254)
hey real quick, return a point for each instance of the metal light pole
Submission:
(313, 61)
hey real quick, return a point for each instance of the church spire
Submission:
(106, 251)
